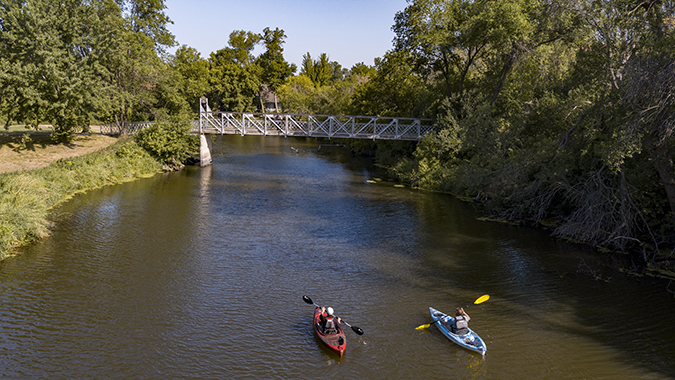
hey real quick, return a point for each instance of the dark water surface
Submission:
(199, 275)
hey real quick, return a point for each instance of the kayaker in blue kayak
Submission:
(328, 322)
(458, 324)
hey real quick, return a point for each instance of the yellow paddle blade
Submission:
(482, 299)
(422, 327)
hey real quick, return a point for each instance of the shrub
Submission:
(169, 141)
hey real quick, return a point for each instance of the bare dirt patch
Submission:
(18, 153)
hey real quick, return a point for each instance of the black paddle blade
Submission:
(357, 330)
(307, 300)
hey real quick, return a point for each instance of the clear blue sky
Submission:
(349, 31)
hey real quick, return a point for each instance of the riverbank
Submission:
(50, 173)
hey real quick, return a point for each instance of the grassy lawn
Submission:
(18, 154)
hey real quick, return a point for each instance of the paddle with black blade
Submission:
(354, 328)
(481, 299)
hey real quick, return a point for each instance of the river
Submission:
(200, 274)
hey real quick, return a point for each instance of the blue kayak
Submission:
(470, 340)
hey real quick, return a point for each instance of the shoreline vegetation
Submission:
(27, 196)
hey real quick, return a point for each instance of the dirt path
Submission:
(18, 154)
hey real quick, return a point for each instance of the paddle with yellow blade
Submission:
(481, 299)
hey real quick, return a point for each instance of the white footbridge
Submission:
(297, 125)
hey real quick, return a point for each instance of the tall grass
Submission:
(26, 197)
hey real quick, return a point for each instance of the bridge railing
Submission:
(330, 126)
(113, 129)
(132, 128)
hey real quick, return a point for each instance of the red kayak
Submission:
(335, 342)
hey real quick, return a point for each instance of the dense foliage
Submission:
(67, 63)
(169, 141)
(551, 111)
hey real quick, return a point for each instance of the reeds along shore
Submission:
(26, 197)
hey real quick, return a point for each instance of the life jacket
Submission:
(329, 326)
(461, 325)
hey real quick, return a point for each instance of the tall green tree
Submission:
(240, 50)
(51, 52)
(234, 76)
(463, 43)
(133, 65)
(70, 61)
(319, 71)
(147, 17)
(193, 73)
(274, 67)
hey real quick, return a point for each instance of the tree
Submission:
(70, 61)
(147, 17)
(50, 54)
(240, 49)
(274, 67)
(439, 37)
(394, 90)
(648, 95)
(194, 75)
(463, 42)
(363, 70)
(297, 95)
(320, 71)
(135, 69)
(234, 77)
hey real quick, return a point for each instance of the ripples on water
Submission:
(199, 274)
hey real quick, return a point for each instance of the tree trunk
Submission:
(508, 65)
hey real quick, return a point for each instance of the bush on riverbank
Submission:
(169, 141)
(26, 197)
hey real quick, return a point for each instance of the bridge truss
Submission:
(330, 126)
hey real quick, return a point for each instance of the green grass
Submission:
(26, 197)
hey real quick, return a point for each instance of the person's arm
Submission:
(467, 316)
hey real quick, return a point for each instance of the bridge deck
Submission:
(355, 127)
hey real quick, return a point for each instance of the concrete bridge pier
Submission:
(205, 142)
(205, 146)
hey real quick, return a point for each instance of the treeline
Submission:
(549, 111)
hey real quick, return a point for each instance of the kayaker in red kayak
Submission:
(324, 320)
(329, 323)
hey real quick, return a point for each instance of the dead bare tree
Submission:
(604, 213)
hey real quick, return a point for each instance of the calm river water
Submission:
(200, 275)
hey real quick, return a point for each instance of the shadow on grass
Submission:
(17, 141)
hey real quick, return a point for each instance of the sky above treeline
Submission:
(349, 31)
